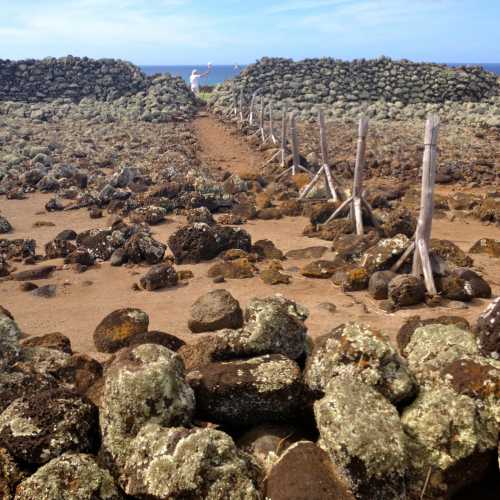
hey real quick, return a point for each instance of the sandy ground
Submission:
(82, 300)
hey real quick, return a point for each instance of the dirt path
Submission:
(82, 300)
(222, 148)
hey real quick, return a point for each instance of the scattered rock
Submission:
(385, 253)
(406, 290)
(55, 340)
(265, 249)
(355, 280)
(488, 330)
(142, 247)
(159, 276)
(274, 277)
(234, 269)
(378, 286)
(45, 291)
(307, 253)
(115, 330)
(450, 252)
(486, 246)
(36, 273)
(5, 226)
(215, 310)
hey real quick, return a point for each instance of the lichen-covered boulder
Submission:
(305, 472)
(488, 330)
(98, 242)
(248, 392)
(450, 438)
(274, 325)
(37, 428)
(365, 351)
(41, 360)
(362, 434)
(114, 331)
(190, 464)
(9, 340)
(406, 290)
(215, 310)
(16, 384)
(143, 385)
(10, 475)
(72, 476)
(433, 346)
(141, 247)
(413, 322)
(385, 253)
(159, 276)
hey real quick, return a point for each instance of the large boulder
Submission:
(190, 464)
(488, 330)
(305, 472)
(365, 351)
(362, 434)
(72, 476)
(406, 290)
(248, 392)
(215, 310)
(144, 384)
(451, 441)
(116, 329)
(37, 428)
(9, 340)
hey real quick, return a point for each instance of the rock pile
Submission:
(382, 87)
(248, 413)
(81, 88)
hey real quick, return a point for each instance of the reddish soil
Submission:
(82, 300)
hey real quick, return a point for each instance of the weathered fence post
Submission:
(325, 167)
(252, 108)
(240, 106)
(271, 124)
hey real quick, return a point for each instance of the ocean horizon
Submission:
(222, 72)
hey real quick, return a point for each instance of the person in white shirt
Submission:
(195, 79)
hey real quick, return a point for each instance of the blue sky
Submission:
(228, 31)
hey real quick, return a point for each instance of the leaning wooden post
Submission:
(261, 120)
(325, 168)
(240, 106)
(357, 189)
(421, 259)
(295, 143)
(252, 108)
(271, 124)
(284, 123)
(235, 100)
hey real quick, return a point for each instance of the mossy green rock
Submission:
(143, 385)
(70, 477)
(450, 435)
(9, 340)
(361, 432)
(366, 351)
(188, 464)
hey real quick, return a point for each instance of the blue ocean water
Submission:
(220, 74)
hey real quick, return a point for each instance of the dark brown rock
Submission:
(159, 276)
(36, 273)
(235, 269)
(378, 286)
(355, 280)
(406, 290)
(321, 269)
(156, 337)
(141, 247)
(486, 246)
(488, 330)
(10, 475)
(116, 329)
(475, 285)
(55, 340)
(274, 277)
(266, 249)
(81, 256)
(451, 253)
(305, 472)
(307, 253)
(215, 310)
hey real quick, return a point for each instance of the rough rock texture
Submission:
(351, 415)
(378, 286)
(42, 426)
(141, 247)
(10, 475)
(249, 392)
(386, 252)
(143, 385)
(5, 226)
(487, 246)
(406, 290)
(356, 348)
(412, 323)
(451, 253)
(190, 464)
(488, 330)
(114, 331)
(266, 249)
(55, 340)
(215, 310)
(72, 476)
(9, 340)
(451, 435)
(233, 269)
(159, 276)
(305, 472)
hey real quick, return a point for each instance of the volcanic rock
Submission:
(406, 290)
(488, 330)
(56, 341)
(487, 246)
(215, 310)
(56, 249)
(142, 247)
(159, 276)
(115, 330)
(378, 285)
(266, 249)
(5, 226)
(35, 273)
(385, 253)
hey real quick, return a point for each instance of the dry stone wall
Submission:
(381, 84)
